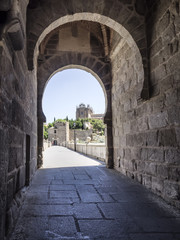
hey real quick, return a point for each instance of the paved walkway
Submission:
(75, 197)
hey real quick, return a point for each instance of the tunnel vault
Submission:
(131, 46)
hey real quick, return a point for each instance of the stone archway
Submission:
(135, 38)
(90, 64)
(101, 65)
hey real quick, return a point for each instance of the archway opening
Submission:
(110, 52)
(68, 88)
(74, 103)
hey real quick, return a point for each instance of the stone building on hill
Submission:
(87, 112)
(59, 134)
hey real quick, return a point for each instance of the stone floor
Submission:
(75, 197)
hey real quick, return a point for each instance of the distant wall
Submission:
(80, 134)
(97, 151)
(46, 144)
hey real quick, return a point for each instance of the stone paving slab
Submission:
(88, 201)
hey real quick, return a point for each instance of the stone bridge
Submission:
(131, 47)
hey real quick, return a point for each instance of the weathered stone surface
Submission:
(168, 138)
(16, 36)
(172, 156)
(140, 7)
(171, 190)
(126, 207)
(5, 5)
(135, 57)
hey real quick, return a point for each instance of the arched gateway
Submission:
(132, 47)
(82, 39)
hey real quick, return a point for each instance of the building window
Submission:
(81, 113)
(54, 131)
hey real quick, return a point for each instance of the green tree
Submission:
(60, 120)
(98, 125)
(50, 125)
(45, 132)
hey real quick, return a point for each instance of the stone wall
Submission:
(59, 133)
(134, 53)
(80, 134)
(97, 151)
(18, 107)
(146, 133)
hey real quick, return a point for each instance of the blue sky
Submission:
(67, 89)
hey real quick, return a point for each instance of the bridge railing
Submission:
(95, 150)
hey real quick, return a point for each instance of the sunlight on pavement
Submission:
(56, 157)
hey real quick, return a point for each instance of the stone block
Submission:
(140, 7)
(162, 171)
(154, 62)
(156, 47)
(172, 64)
(168, 35)
(20, 179)
(127, 105)
(174, 47)
(143, 124)
(130, 139)
(134, 126)
(174, 115)
(5, 110)
(177, 130)
(159, 74)
(10, 192)
(19, 157)
(163, 23)
(167, 138)
(157, 185)
(171, 97)
(133, 22)
(17, 114)
(140, 110)
(172, 190)
(144, 154)
(5, 5)
(12, 159)
(172, 156)
(135, 153)
(139, 177)
(155, 154)
(174, 173)
(132, 166)
(154, 90)
(151, 168)
(15, 34)
(152, 138)
(158, 105)
(166, 83)
(147, 181)
(127, 153)
(140, 139)
(9, 221)
(177, 24)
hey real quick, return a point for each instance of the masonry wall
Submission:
(146, 134)
(97, 151)
(60, 133)
(18, 109)
(80, 134)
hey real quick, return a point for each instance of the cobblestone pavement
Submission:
(76, 197)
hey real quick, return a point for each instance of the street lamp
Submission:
(74, 125)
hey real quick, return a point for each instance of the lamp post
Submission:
(74, 137)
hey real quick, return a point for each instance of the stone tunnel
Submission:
(132, 46)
